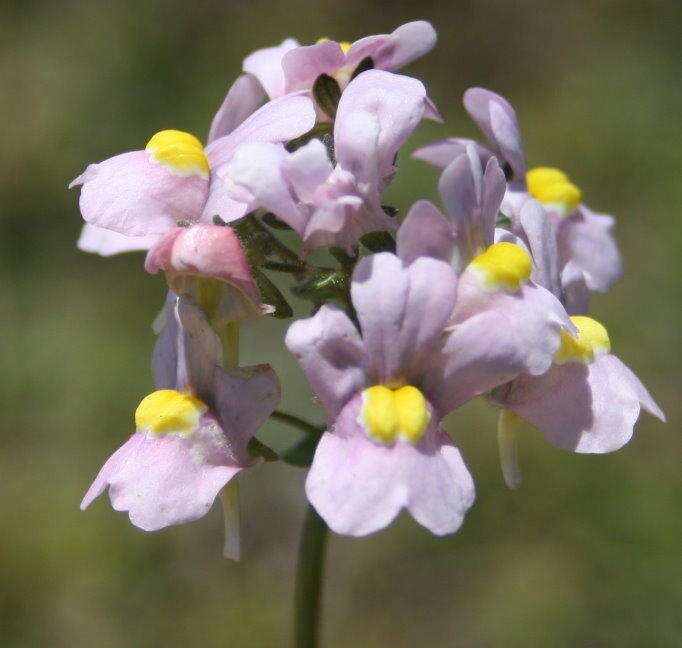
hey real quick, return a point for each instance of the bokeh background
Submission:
(586, 554)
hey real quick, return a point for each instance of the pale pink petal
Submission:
(359, 486)
(443, 152)
(575, 295)
(425, 232)
(586, 239)
(266, 66)
(242, 99)
(105, 242)
(279, 120)
(331, 354)
(257, 168)
(396, 102)
(541, 235)
(307, 169)
(393, 51)
(210, 251)
(496, 117)
(166, 480)
(243, 399)
(304, 64)
(585, 408)
(132, 195)
(402, 312)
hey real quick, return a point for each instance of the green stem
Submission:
(309, 580)
(296, 422)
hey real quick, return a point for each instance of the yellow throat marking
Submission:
(553, 189)
(388, 414)
(592, 338)
(503, 265)
(181, 153)
(167, 411)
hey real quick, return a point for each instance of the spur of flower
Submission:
(290, 66)
(335, 202)
(584, 237)
(141, 195)
(192, 433)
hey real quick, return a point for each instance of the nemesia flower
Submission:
(290, 67)
(192, 433)
(420, 354)
(336, 204)
(207, 263)
(588, 401)
(584, 237)
(144, 194)
(495, 286)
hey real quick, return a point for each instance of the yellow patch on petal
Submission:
(503, 265)
(553, 189)
(181, 153)
(391, 413)
(168, 410)
(592, 338)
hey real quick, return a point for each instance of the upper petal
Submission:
(425, 232)
(242, 99)
(304, 64)
(106, 242)
(280, 120)
(441, 153)
(266, 65)
(496, 117)
(397, 103)
(402, 312)
(392, 51)
(330, 352)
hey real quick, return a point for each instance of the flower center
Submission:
(168, 410)
(388, 414)
(553, 189)
(503, 265)
(592, 338)
(181, 153)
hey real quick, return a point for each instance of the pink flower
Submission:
(131, 200)
(290, 67)
(584, 237)
(192, 433)
(191, 255)
(336, 204)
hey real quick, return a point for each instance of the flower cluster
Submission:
(486, 296)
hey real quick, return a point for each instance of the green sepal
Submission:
(274, 222)
(324, 285)
(271, 295)
(318, 131)
(378, 242)
(302, 452)
(327, 93)
(367, 63)
(257, 448)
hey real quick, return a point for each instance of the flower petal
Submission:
(359, 486)
(132, 195)
(441, 153)
(586, 239)
(105, 242)
(304, 64)
(402, 312)
(165, 480)
(541, 236)
(330, 352)
(496, 117)
(585, 408)
(242, 99)
(425, 232)
(266, 65)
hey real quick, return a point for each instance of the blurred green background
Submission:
(586, 554)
